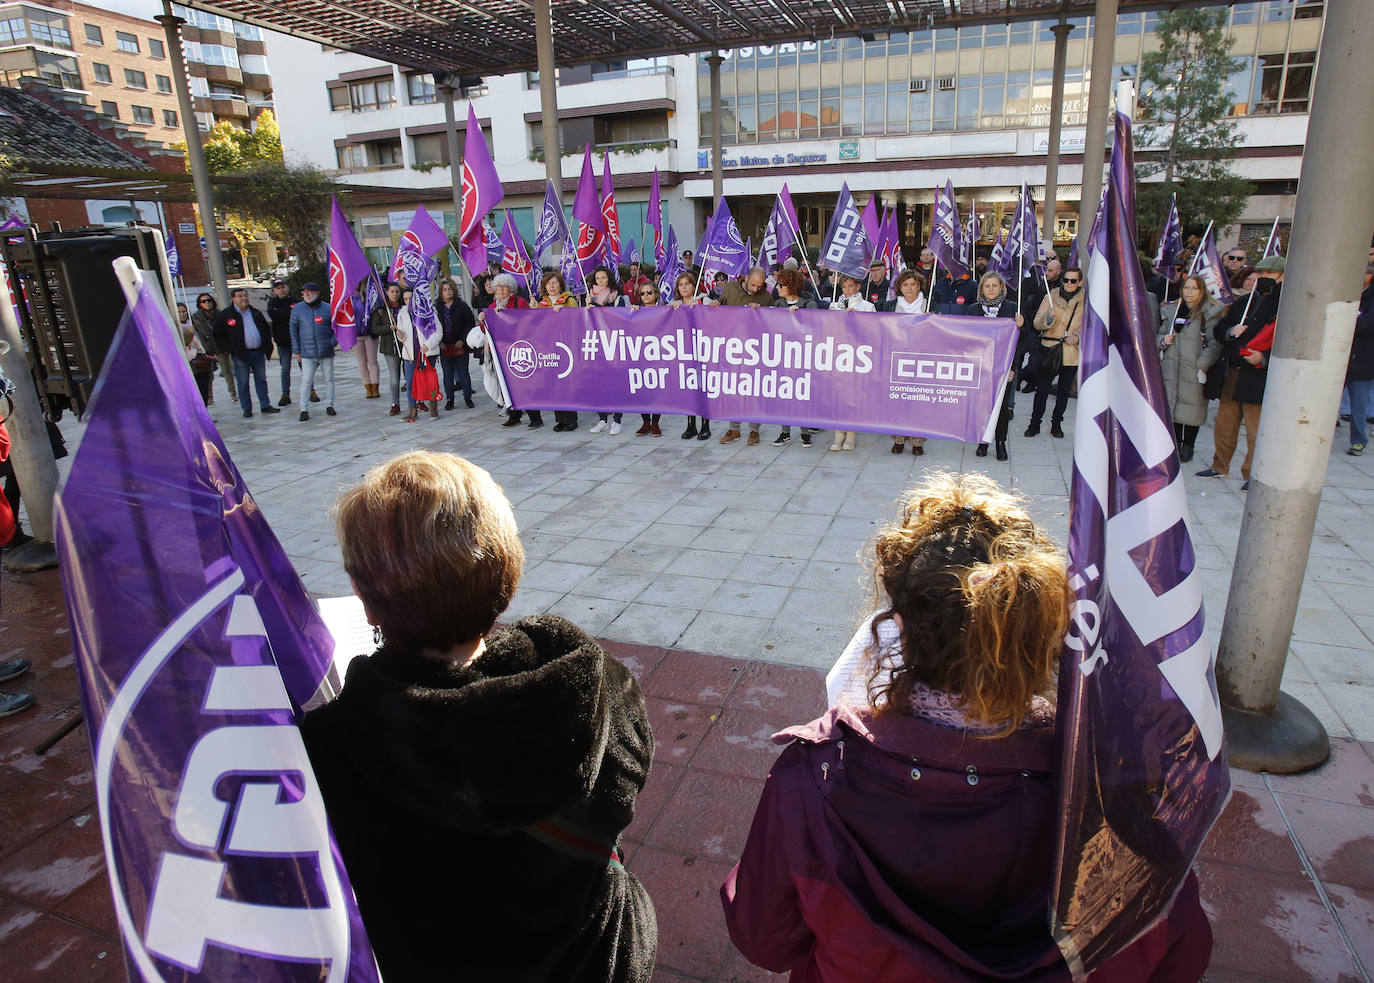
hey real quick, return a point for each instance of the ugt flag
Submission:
(845, 247)
(482, 192)
(1272, 245)
(552, 228)
(1143, 769)
(348, 266)
(1207, 264)
(1170, 240)
(423, 236)
(591, 225)
(945, 235)
(196, 647)
(514, 259)
(610, 218)
(173, 256)
(671, 267)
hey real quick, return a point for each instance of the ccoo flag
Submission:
(196, 647)
(1207, 264)
(778, 236)
(845, 247)
(671, 267)
(1170, 240)
(946, 236)
(552, 228)
(173, 256)
(723, 248)
(1272, 245)
(348, 266)
(482, 192)
(1143, 769)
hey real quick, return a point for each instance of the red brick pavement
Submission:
(712, 718)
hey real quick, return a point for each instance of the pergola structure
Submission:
(463, 38)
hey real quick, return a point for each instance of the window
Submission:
(109, 109)
(380, 155)
(126, 42)
(102, 72)
(247, 31)
(429, 147)
(156, 48)
(13, 30)
(420, 86)
(169, 117)
(93, 35)
(164, 83)
(143, 114)
(134, 79)
(361, 97)
(53, 32)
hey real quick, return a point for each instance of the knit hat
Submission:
(1272, 264)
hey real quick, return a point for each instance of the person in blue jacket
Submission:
(312, 341)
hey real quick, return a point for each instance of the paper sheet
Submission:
(847, 680)
(347, 622)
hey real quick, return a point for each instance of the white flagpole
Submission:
(796, 237)
(1192, 266)
(1272, 232)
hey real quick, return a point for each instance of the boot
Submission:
(395, 410)
(705, 432)
(434, 409)
(1185, 453)
(982, 450)
(414, 412)
(691, 430)
(849, 437)
(1002, 454)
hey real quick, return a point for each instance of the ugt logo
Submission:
(521, 359)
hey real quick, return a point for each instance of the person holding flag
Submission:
(456, 320)
(348, 268)
(954, 290)
(481, 193)
(908, 833)
(1055, 358)
(591, 221)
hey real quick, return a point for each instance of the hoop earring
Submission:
(377, 635)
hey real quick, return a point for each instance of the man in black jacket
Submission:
(1242, 391)
(279, 313)
(242, 332)
(875, 286)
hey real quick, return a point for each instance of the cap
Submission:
(278, 283)
(1272, 264)
(312, 285)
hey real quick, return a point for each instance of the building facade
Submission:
(128, 76)
(894, 116)
(36, 42)
(227, 62)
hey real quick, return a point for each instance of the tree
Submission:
(290, 200)
(230, 148)
(1186, 132)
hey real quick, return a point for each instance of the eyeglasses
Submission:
(647, 293)
(1074, 279)
(1238, 259)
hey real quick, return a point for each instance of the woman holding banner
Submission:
(647, 295)
(685, 295)
(604, 293)
(910, 299)
(505, 296)
(909, 833)
(553, 293)
(792, 295)
(993, 302)
(478, 781)
(850, 299)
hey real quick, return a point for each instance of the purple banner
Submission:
(196, 647)
(923, 375)
(1143, 773)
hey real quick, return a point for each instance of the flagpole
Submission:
(796, 237)
(1273, 230)
(1192, 265)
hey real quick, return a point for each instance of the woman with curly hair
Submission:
(909, 833)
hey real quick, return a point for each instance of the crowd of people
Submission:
(1209, 351)
(513, 761)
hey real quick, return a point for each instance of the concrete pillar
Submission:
(1099, 95)
(1327, 254)
(34, 466)
(1061, 51)
(548, 95)
(717, 164)
(205, 201)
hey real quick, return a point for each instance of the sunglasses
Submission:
(647, 293)
(1072, 279)
(1238, 259)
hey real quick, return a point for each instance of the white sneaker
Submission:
(615, 429)
(600, 427)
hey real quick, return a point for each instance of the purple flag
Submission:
(777, 236)
(196, 647)
(514, 259)
(482, 192)
(631, 251)
(552, 227)
(609, 216)
(945, 234)
(1073, 254)
(873, 227)
(416, 269)
(586, 210)
(1207, 264)
(1272, 244)
(347, 266)
(372, 296)
(570, 267)
(996, 261)
(671, 267)
(845, 247)
(424, 319)
(724, 248)
(928, 375)
(492, 238)
(1143, 771)
(971, 236)
(173, 254)
(1170, 241)
(655, 220)
(423, 236)
(14, 222)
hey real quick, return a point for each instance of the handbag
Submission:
(424, 385)
(203, 364)
(1048, 360)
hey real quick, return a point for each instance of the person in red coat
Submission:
(908, 835)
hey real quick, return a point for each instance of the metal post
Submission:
(717, 166)
(1267, 729)
(455, 167)
(548, 95)
(205, 200)
(1095, 139)
(34, 466)
(1061, 52)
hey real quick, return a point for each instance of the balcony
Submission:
(225, 105)
(223, 73)
(628, 73)
(624, 148)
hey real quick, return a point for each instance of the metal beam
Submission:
(682, 20)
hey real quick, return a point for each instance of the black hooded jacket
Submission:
(476, 809)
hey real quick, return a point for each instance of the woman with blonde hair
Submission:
(478, 781)
(908, 834)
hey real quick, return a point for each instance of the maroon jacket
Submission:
(890, 849)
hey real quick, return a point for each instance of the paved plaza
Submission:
(728, 578)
